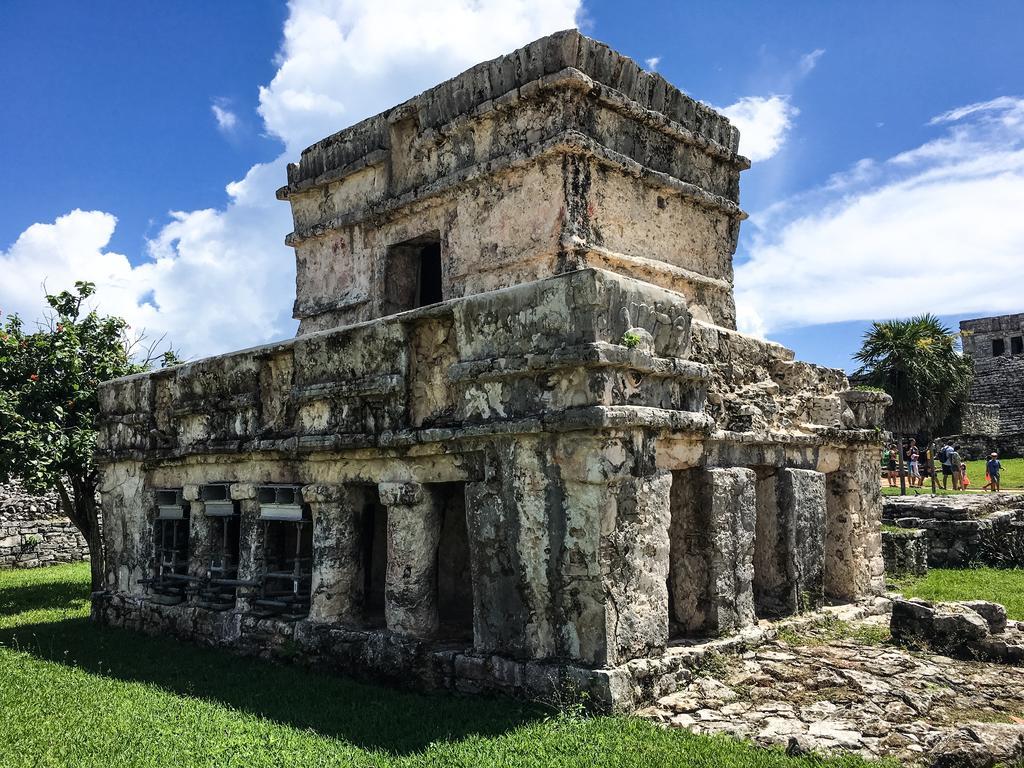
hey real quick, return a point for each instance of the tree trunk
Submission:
(80, 506)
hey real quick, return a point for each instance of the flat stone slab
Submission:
(965, 506)
(876, 701)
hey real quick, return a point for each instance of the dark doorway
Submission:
(998, 347)
(454, 582)
(374, 546)
(413, 274)
(1017, 345)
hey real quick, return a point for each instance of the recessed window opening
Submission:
(430, 275)
(1017, 345)
(286, 578)
(413, 274)
(170, 578)
(454, 582)
(998, 347)
(223, 515)
(374, 548)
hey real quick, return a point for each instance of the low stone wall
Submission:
(974, 629)
(964, 531)
(33, 532)
(905, 552)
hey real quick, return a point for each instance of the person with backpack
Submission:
(947, 469)
(957, 469)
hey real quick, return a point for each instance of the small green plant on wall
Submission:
(631, 339)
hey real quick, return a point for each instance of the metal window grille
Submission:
(287, 574)
(170, 532)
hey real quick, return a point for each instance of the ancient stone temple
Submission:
(518, 443)
(994, 417)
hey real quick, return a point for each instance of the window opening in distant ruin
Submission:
(374, 548)
(170, 578)
(413, 274)
(217, 592)
(454, 583)
(1017, 345)
(286, 576)
(998, 347)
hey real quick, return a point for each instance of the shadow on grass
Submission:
(364, 715)
(60, 595)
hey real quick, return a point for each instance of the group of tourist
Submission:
(920, 465)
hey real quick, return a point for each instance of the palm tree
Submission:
(918, 363)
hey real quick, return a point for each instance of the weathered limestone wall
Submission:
(34, 533)
(853, 539)
(905, 552)
(963, 532)
(584, 160)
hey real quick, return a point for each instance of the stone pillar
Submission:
(853, 529)
(611, 600)
(198, 532)
(250, 542)
(128, 508)
(789, 545)
(508, 525)
(712, 549)
(414, 530)
(337, 587)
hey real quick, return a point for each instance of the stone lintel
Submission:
(400, 494)
(242, 491)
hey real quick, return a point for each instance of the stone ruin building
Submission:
(517, 443)
(993, 419)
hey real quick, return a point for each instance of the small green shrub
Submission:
(631, 340)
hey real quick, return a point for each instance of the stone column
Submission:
(414, 530)
(612, 599)
(337, 587)
(712, 549)
(198, 532)
(250, 542)
(853, 530)
(510, 548)
(128, 507)
(789, 546)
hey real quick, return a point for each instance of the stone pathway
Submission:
(876, 700)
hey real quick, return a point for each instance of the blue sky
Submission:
(863, 204)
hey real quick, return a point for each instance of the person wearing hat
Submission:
(992, 467)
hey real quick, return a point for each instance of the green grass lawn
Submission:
(1005, 586)
(72, 694)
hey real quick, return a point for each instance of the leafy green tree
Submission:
(48, 403)
(918, 363)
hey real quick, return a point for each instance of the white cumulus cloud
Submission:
(221, 279)
(936, 229)
(764, 122)
(652, 63)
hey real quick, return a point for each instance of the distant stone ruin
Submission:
(517, 444)
(34, 532)
(993, 419)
